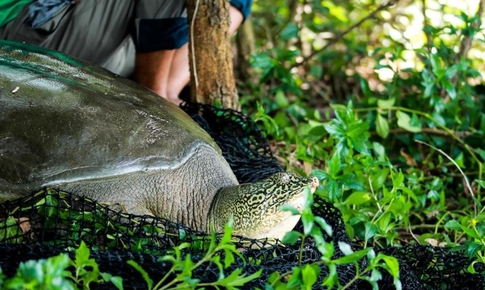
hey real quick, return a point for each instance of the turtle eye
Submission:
(284, 178)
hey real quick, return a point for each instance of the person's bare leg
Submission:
(166, 72)
(179, 71)
(236, 19)
(179, 74)
(153, 68)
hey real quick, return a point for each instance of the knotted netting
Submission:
(49, 222)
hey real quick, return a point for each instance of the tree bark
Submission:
(245, 48)
(210, 56)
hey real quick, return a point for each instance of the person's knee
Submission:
(173, 93)
(236, 17)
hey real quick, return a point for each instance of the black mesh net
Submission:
(49, 222)
(243, 145)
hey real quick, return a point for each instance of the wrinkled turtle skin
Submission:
(77, 127)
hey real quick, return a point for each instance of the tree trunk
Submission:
(245, 48)
(210, 57)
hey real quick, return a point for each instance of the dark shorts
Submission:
(109, 32)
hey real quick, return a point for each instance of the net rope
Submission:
(49, 222)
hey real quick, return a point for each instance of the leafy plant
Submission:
(183, 266)
(403, 159)
(306, 276)
(54, 273)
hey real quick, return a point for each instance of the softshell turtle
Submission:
(82, 129)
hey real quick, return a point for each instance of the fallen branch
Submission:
(431, 131)
(345, 32)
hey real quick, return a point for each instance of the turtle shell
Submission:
(64, 121)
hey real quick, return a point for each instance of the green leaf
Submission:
(428, 83)
(334, 129)
(86, 268)
(429, 89)
(470, 232)
(379, 150)
(453, 225)
(358, 197)
(386, 104)
(291, 237)
(404, 121)
(82, 254)
(451, 71)
(449, 88)
(310, 275)
(286, 54)
(471, 267)
(351, 181)
(382, 126)
(228, 258)
(436, 66)
(351, 258)
(480, 182)
(230, 279)
(392, 264)
(295, 278)
(345, 248)
(370, 230)
(397, 178)
(290, 208)
(334, 190)
(332, 278)
(307, 199)
(143, 273)
(32, 271)
(316, 71)
(376, 275)
(290, 31)
(338, 107)
(281, 99)
(379, 178)
(384, 220)
(117, 281)
(227, 236)
(324, 225)
(241, 280)
(262, 60)
(365, 88)
(334, 165)
(307, 218)
(316, 133)
(480, 151)
(358, 135)
(472, 248)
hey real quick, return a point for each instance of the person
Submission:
(143, 39)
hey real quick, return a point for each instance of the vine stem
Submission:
(431, 131)
(192, 48)
(444, 128)
(300, 259)
(459, 169)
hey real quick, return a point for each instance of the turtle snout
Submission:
(314, 183)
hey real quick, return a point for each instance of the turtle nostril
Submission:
(315, 183)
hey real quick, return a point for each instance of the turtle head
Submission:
(256, 207)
